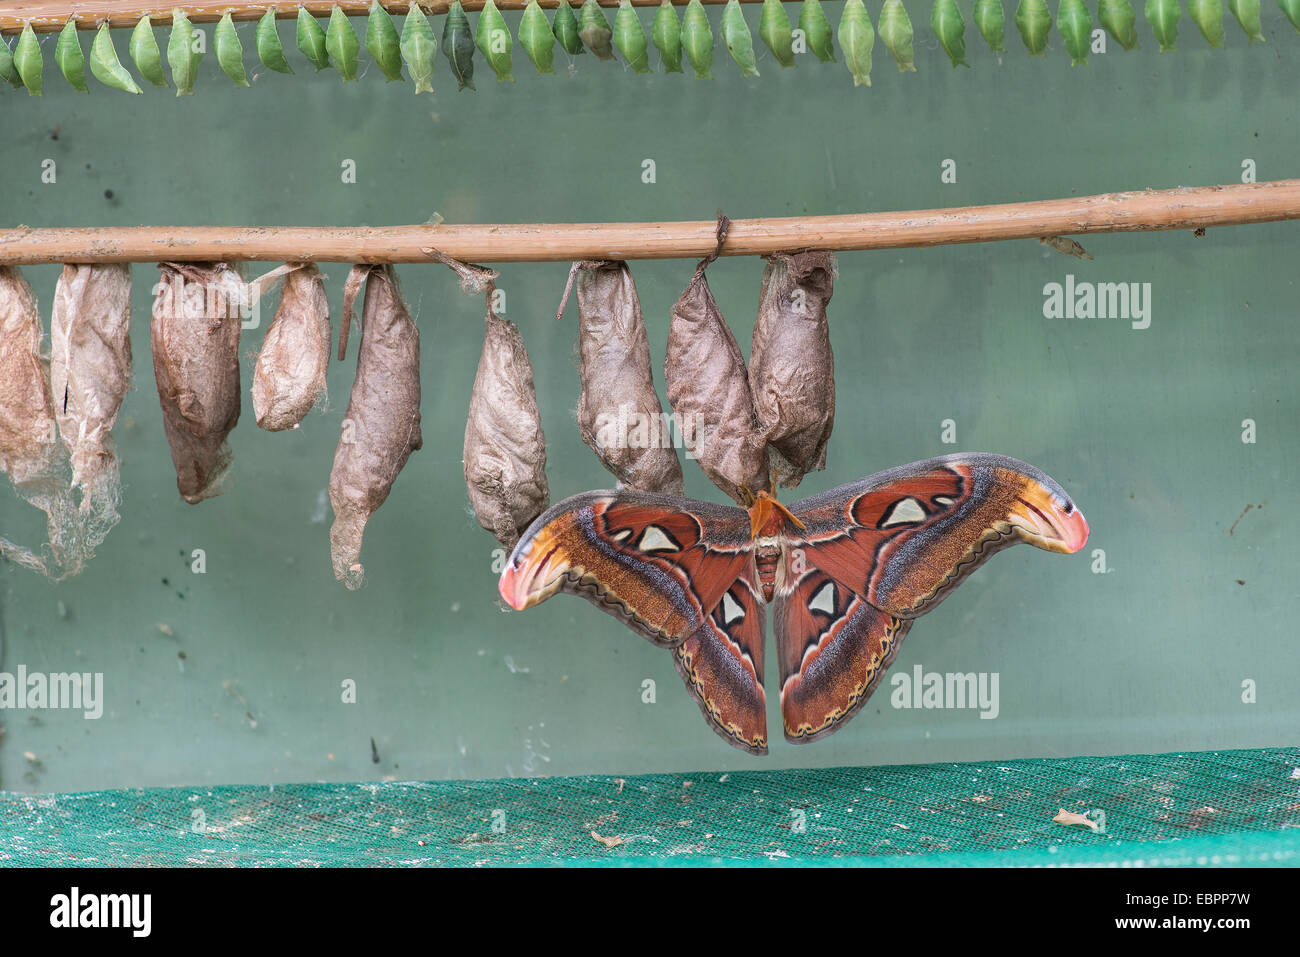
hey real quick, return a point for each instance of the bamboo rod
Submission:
(1183, 208)
(49, 16)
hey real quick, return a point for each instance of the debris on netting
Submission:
(90, 373)
(381, 427)
(30, 451)
(194, 331)
(1069, 817)
(619, 414)
(791, 368)
(708, 385)
(289, 379)
(505, 448)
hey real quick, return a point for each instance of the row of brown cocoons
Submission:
(57, 412)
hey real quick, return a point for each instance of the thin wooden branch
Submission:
(1183, 208)
(49, 16)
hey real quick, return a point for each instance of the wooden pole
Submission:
(1183, 208)
(49, 16)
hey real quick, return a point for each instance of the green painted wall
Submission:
(1143, 427)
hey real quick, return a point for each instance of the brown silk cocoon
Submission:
(90, 373)
(505, 450)
(382, 425)
(30, 451)
(619, 414)
(791, 369)
(289, 378)
(707, 381)
(195, 336)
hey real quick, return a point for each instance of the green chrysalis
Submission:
(105, 65)
(630, 38)
(595, 31)
(311, 40)
(1075, 26)
(1163, 15)
(817, 30)
(1118, 19)
(1246, 13)
(382, 43)
(1292, 10)
(144, 51)
(181, 55)
(536, 38)
(493, 41)
(991, 22)
(949, 27)
(697, 40)
(342, 45)
(1034, 21)
(419, 48)
(666, 31)
(230, 52)
(774, 28)
(565, 29)
(1208, 17)
(896, 33)
(68, 55)
(739, 41)
(269, 49)
(458, 45)
(8, 72)
(856, 40)
(27, 60)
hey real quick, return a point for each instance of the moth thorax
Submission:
(767, 559)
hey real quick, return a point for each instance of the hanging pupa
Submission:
(896, 34)
(774, 28)
(990, 20)
(791, 368)
(856, 40)
(145, 53)
(1034, 21)
(950, 28)
(194, 330)
(630, 38)
(90, 372)
(619, 415)
(289, 378)
(28, 61)
(183, 53)
(419, 49)
(505, 449)
(1246, 13)
(493, 41)
(311, 40)
(230, 52)
(817, 30)
(458, 45)
(595, 31)
(30, 451)
(71, 61)
(342, 44)
(697, 40)
(708, 388)
(1118, 19)
(565, 29)
(1208, 17)
(1075, 26)
(1163, 15)
(105, 65)
(381, 427)
(1292, 10)
(536, 38)
(8, 72)
(739, 41)
(269, 48)
(382, 42)
(666, 32)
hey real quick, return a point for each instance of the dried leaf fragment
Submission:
(1069, 817)
(607, 841)
(1064, 244)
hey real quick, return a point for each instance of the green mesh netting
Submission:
(1208, 808)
